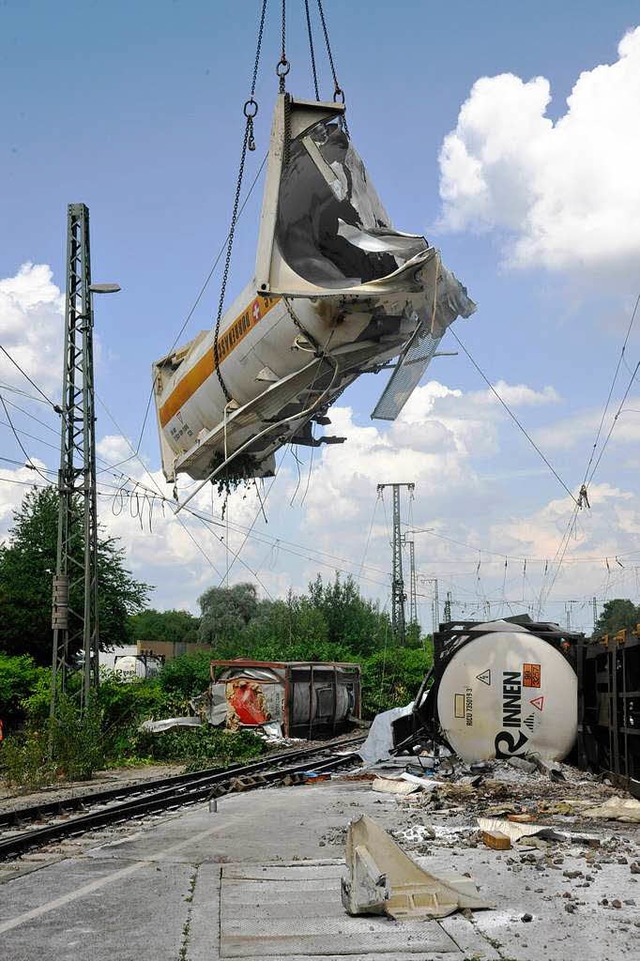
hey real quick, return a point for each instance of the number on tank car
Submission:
(183, 431)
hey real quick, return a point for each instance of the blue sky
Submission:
(136, 110)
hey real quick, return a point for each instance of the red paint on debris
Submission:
(248, 703)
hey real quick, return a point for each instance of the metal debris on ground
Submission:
(157, 727)
(379, 743)
(405, 783)
(615, 809)
(393, 785)
(518, 832)
(543, 815)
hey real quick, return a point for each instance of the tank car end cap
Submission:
(384, 880)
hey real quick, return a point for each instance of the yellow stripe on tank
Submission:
(203, 368)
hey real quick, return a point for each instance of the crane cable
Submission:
(249, 110)
(338, 92)
(283, 66)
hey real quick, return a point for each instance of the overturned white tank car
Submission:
(501, 689)
(337, 292)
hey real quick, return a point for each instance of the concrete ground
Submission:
(260, 877)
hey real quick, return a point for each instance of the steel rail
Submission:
(199, 789)
(64, 805)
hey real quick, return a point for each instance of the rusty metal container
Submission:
(303, 698)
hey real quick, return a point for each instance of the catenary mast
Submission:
(398, 596)
(75, 583)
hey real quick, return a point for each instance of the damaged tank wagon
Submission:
(337, 292)
(284, 698)
(518, 688)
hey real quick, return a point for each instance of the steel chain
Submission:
(287, 129)
(283, 66)
(338, 92)
(312, 53)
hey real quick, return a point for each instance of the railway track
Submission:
(124, 803)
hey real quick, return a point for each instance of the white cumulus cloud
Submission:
(32, 328)
(567, 193)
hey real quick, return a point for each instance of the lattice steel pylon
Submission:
(398, 596)
(75, 583)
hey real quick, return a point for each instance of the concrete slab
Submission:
(309, 919)
(468, 938)
(202, 934)
(140, 915)
(264, 825)
(520, 890)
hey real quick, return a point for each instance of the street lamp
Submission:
(104, 288)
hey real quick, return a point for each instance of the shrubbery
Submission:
(18, 679)
(332, 622)
(74, 744)
(391, 678)
(186, 676)
(200, 747)
(69, 745)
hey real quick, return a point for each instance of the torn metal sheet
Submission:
(384, 880)
(155, 727)
(393, 785)
(425, 783)
(405, 783)
(518, 831)
(379, 743)
(615, 809)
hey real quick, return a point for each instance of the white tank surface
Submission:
(126, 665)
(508, 693)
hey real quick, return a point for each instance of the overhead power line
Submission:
(614, 421)
(15, 363)
(513, 417)
(29, 463)
(611, 389)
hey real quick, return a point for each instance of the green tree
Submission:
(290, 629)
(187, 675)
(18, 678)
(616, 614)
(226, 611)
(175, 626)
(391, 678)
(27, 563)
(351, 620)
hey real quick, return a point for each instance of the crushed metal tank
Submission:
(502, 689)
(337, 292)
(303, 699)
